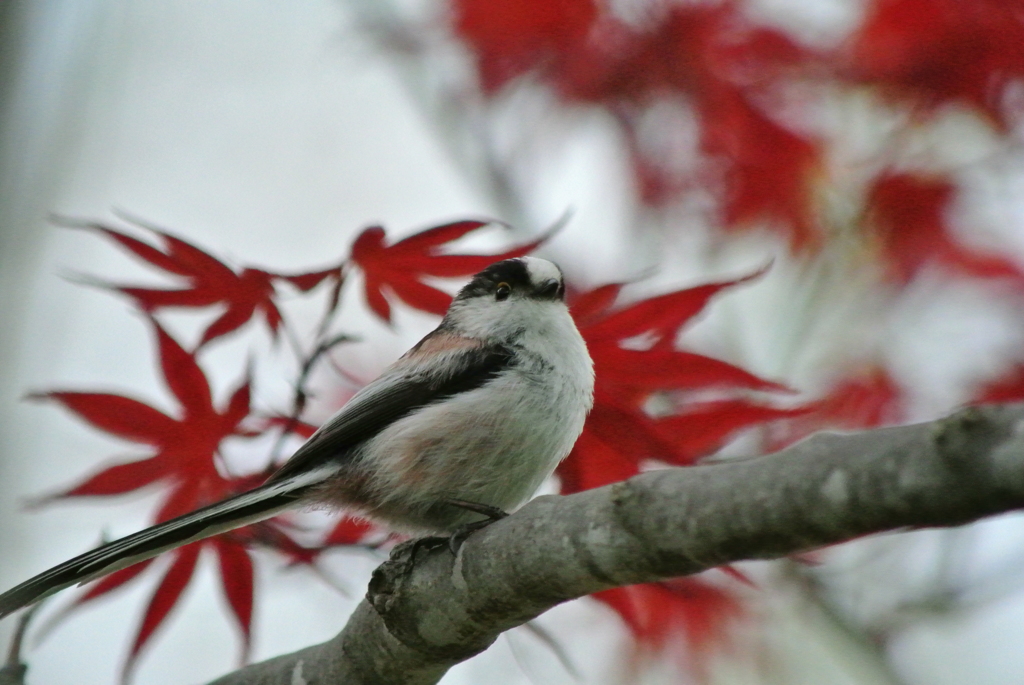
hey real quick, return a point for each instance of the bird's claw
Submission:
(461, 533)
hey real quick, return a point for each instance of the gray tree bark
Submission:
(422, 616)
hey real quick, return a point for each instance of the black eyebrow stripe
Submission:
(511, 271)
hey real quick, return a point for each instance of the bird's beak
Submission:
(551, 289)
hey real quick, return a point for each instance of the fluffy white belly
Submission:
(493, 445)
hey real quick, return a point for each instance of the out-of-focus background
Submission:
(868, 149)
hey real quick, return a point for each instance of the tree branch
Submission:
(420, 619)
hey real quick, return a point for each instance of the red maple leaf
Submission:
(399, 268)
(867, 397)
(620, 434)
(185, 445)
(511, 37)
(186, 448)
(935, 52)
(235, 570)
(657, 612)
(1007, 388)
(208, 281)
(768, 169)
(234, 562)
(692, 49)
(760, 169)
(185, 453)
(908, 215)
(166, 595)
(929, 51)
(635, 358)
(710, 54)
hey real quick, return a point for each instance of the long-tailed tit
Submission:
(472, 419)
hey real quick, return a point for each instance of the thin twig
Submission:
(301, 395)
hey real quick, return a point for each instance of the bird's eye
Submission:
(502, 291)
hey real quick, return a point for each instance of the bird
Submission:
(461, 429)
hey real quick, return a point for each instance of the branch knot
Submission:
(965, 440)
(397, 599)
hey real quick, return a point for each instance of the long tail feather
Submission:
(235, 512)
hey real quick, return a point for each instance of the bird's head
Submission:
(508, 296)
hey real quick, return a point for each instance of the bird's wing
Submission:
(440, 366)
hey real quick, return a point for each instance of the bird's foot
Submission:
(463, 532)
(427, 544)
(389, 577)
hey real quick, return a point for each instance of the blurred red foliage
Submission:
(657, 612)
(708, 55)
(1007, 388)
(867, 397)
(908, 215)
(512, 37)
(941, 52)
(730, 73)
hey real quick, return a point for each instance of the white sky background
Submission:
(269, 134)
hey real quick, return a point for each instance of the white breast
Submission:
(493, 445)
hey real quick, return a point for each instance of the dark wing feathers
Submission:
(392, 397)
